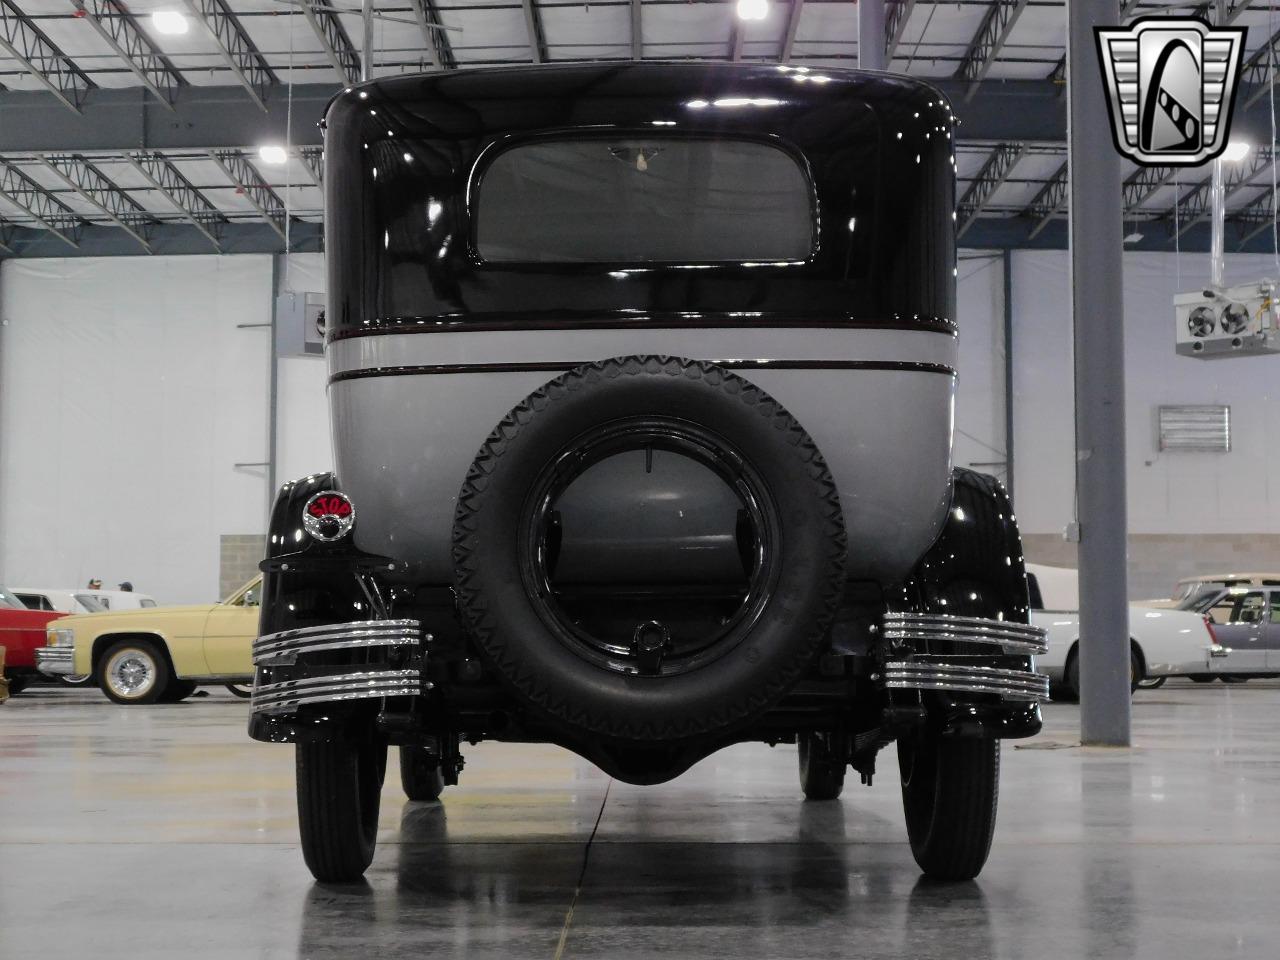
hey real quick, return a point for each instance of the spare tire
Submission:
(794, 562)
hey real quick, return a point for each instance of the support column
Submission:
(1007, 263)
(871, 35)
(1097, 306)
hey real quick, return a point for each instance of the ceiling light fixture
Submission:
(272, 154)
(753, 9)
(169, 22)
(1236, 151)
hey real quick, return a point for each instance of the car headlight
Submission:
(60, 637)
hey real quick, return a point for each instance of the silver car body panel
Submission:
(403, 443)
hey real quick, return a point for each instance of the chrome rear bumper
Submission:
(286, 696)
(56, 661)
(381, 661)
(964, 655)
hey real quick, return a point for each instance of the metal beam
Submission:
(988, 42)
(1258, 215)
(118, 29)
(1260, 70)
(177, 189)
(897, 13)
(1233, 10)
(313, 159)
(119, 120)
(1193, 206)
(1049, 202)
(41, 57)
(637, 31)
(433, 36)
(993, 174)
(1097, 307)
(248, 65)
(333, 38)
(43, 207)
(253, 187)
(789, 34)
(737, 37)
(1144, 183)
(177, 238)
(93, 186)
(533, 24)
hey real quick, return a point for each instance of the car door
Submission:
(1271, 631)
(1239, 620)
(230, 631)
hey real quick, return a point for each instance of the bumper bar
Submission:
(288, 679)
(960, 678)
(1010, 637)
(286, 696)
(55, 661)
(964, 655)
(283, 648)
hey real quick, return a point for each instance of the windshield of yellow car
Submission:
(246, 596)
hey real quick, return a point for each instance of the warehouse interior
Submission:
(162, 261)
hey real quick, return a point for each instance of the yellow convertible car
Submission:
(158, 655)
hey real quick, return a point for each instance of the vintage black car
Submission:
(641, 378)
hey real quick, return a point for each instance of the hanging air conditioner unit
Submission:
(1237, 321)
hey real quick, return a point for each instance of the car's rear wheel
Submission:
(950, 788)
(1071, 676)
(821, 773)
(242, 690)
(421, 775)
(17, 685)
(82, 680)
(134, 672)
(1151, 683)
(178, 690)
(339, 789)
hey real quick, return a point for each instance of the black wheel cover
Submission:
(776, 642)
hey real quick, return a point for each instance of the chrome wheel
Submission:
(131, 673)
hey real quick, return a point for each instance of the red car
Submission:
(21, 634)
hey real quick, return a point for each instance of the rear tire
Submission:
(178, 690)
(339, 789)
(134, 672)
(420, 775)
(242, 690)
(950, 789)
(17, 685)
(1151, 683)
(1071, 676)
(821, 774)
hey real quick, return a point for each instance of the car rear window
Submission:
(636, 200)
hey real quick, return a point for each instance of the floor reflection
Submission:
(816, 894)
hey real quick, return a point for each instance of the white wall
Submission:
(127, 393)
(979, 426)
(303, 444)
(1237, 492)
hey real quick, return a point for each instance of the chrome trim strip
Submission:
(930, 675)
(1013, 637)
(286, 696)
(282, 649)
(55, 661)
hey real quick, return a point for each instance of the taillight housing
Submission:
(328, 516)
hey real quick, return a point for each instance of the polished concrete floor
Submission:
(163, 832)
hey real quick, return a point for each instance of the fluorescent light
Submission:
(169, 22)
(1236, 151)
(1133, 237)
(272, 154)
(753, 9)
